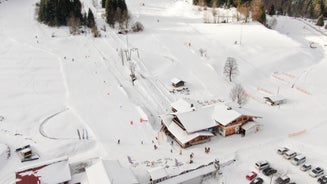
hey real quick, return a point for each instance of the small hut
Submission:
(275, 100)
(177, 82)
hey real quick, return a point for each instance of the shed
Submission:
(177, 82)
(249, 127)
(275, 100)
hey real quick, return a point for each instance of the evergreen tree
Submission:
(57, 12)
(84, 19)
(272, 10)
(103, 3)
(90, 19)
(51, 9)
(320, 21)
(62, 12)
(42, 13)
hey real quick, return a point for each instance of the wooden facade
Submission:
(234, 126)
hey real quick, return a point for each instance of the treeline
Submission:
(65, 13)
(302, 8)
(116, 12)
(256, 7)
(220, 3)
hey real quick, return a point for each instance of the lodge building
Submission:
(189, 125)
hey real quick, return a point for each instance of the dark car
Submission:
(318, 171)
(282, 180)
(269, 171)
(322, 180)
(257, 180)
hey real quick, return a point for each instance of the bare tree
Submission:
(239, 95)
(230, 68)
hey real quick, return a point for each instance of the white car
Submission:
(289, 154)
(282, 150)
(305, 167)
(318, 171)
(260, 165)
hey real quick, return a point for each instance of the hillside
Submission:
(54, 84)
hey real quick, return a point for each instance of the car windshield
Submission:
(317, 170)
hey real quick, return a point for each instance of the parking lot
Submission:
(285, 167)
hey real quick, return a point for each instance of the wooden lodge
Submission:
(230, 120)
(234, 127)
(180, 135)
(199, 125)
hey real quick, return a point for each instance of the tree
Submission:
(258, 11)
(272, 10)
(238, 95)
(320, 21)
(103, 3)
(90, 19)
(230, 68)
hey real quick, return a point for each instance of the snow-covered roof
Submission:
(157, 173)
(224, 115)
(182, 105)
(97, 173)
(183, 136)
(249, 125)
(275, 98)
(175, 80)
(197, 120)
(119, 174)
(190, 175)
(57, 172)
(109, 172)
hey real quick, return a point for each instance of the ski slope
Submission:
(53, 84)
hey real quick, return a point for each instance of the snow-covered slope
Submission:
(54, 85)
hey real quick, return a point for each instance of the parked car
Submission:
(251, 176)
(322, 180)
(282, 180)
(257, 180)
(318, 171)
(298, 160)
(282, 150)
(260, 165)
(289, 154)
(269, 171)
(305, 167)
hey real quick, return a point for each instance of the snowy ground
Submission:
(53, 86)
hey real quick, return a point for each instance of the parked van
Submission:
(289, 154)
(260, 165)
(299, 159)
